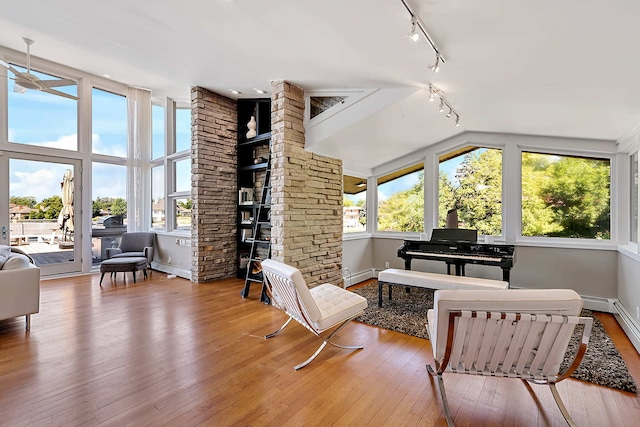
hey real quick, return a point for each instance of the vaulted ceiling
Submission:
(562, 68)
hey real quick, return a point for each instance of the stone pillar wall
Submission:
(213, 185)
(306, 194)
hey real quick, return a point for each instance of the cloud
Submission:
(41, 183)
(100, 147)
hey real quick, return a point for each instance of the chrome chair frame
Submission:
(284, 295)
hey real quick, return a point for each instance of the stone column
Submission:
(213, 185)
(306, 210)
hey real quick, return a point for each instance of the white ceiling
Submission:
(566, 68)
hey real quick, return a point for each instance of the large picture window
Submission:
(470, 185)
(109, 123)
(40, 118)
(171, 167)
(565, 196)
(354, 204)
(401, 200)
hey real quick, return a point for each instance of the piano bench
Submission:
(419, 279)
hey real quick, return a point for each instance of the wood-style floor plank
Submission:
(168, 352)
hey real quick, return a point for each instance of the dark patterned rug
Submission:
(407, 313)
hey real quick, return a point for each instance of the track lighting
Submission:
(435, 67)
(413, 35)
(417, 24)
(433, 92)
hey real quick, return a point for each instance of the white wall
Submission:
(357, 258)
(173, 255)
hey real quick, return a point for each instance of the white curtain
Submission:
(139, 180)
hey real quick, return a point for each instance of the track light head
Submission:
(449, 113)
(435, 67)
(457, 120)
(441, 105)
(413, 35)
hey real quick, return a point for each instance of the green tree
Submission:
(28, 201)
(186, 205)
(404, 210)
(446, 198)
(478, 196)
(578, 194)
(49, 208)
(96, 207)
(119, 207)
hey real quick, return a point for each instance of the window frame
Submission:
(436, 183)
(375, 201)
(367, 232)
(563, 242)
(170, 158)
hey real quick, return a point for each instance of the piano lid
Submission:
(454, 235)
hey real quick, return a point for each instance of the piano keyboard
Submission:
(457, 256)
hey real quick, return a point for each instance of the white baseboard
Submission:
(351, 279)
(171, 269)
(598, 304)
(628, 323)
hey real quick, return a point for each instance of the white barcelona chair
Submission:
(320, 309)
(515, 333)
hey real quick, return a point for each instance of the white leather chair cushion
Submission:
(15, 262)
(335, 305)
(565, 302)
(5, 253)
(437, 281)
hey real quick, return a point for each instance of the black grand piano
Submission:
(458, 247)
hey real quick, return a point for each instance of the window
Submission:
(182, 209)
(183, 129)
(40, 118)
(401, 200)
(171, 202)
(634, 198)
(565, 196)
(183, 175)
(157, 198)
(109, 123)
(354, 210)
(109, 207)
(157, 132)
(470, 185)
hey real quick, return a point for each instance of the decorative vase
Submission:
(252, 127)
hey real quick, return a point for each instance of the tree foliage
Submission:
(404, 210)
(571, 194)
(49, 208)
(28, 201)
(478, 195)
(119, 206)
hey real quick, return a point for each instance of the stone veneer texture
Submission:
(306, 210)
(213, 185)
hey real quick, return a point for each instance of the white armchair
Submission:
(319, 309)
(516, 333)
(19, 286)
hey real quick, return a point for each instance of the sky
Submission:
(46, 120)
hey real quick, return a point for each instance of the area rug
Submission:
(407, 313)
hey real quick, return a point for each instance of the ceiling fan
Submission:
(24, 81)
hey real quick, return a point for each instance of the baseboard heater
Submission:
(628, 323)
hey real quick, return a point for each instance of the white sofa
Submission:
(19, 286)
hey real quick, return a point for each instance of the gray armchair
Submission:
(134, 244)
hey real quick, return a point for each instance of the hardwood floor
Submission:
(168, 352)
